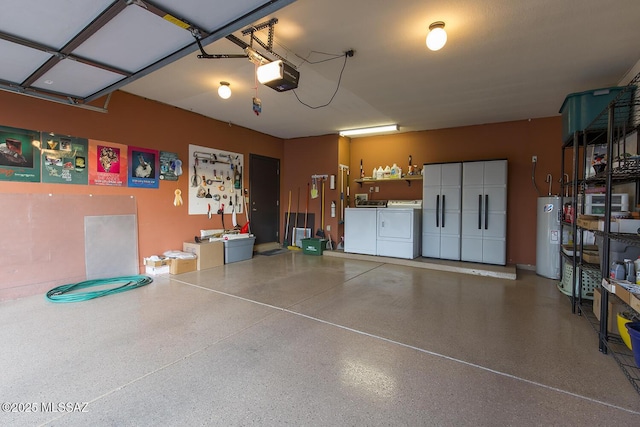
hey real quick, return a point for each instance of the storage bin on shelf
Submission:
(618, 251)
(580, 109)
(590, 280)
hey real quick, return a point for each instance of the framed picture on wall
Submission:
(64, 159)
(19, 154)
(107, 163)
(144, 167)
(170, 166)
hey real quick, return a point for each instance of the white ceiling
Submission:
(75, 51)
(504, 60)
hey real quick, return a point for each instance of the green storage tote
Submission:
(313, 246)
(580, 109)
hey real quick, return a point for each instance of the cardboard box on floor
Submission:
(156, 271)
(156, 263)
(156, 267)
(210, 254)
(179, 265)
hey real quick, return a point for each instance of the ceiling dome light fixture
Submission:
(437, 36)
(224, 91)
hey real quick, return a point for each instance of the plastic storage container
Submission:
(622, 329)
(589, 281)
(617, 271)
(239, 249)
(313, 246)
(618, 251)
(634, 333)
(629, 270)
(595, 203)
(579, 109)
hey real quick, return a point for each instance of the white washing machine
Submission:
(360, 230)
(399, 229)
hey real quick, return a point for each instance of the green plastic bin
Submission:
(580, 109)
(313, 246)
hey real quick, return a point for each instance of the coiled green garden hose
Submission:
(60, 293)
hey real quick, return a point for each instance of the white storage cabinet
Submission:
(441, 210)
(484, 212)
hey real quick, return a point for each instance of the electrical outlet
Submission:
(534, 159)
(377, 189)
(328, 227)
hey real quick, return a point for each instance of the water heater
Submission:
(549, 237)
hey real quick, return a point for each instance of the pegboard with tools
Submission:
(215, 181)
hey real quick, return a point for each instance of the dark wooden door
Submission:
(264, 198)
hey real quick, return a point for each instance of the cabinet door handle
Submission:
(479, 211)
(486, 211)
(443, 208)
(437, 210)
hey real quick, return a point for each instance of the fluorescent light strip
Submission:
(368, 131)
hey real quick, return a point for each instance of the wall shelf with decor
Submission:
(408, 179)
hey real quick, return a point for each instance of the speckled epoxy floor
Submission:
(305, 340)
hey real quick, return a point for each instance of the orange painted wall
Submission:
(139, 122)
(132, 120)
(515, 141)
(306, 157)
(344, 158)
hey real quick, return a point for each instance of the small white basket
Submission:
(590, 280)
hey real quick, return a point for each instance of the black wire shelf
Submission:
(614, 129)
(629, 239)
(615, 347)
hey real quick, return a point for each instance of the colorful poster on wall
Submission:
(170, 166)
(19, 157)
(64, 159)
(107, 163)
(144, 167)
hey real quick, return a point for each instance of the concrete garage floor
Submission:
(312, 340)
